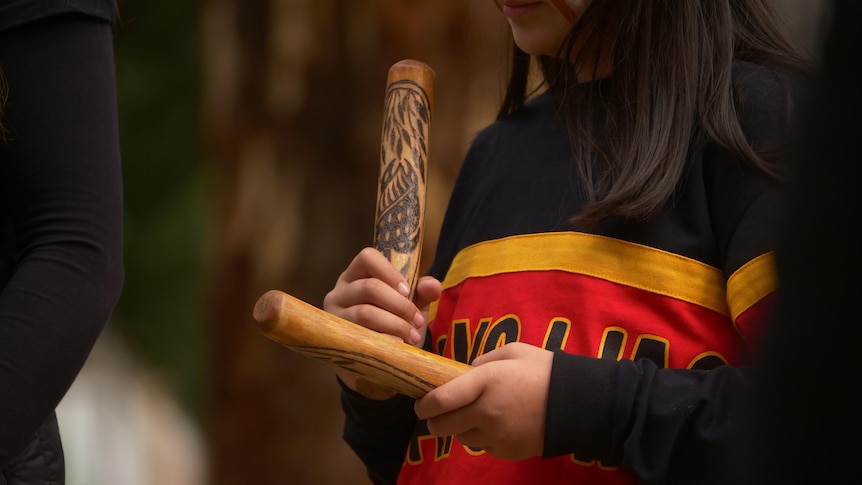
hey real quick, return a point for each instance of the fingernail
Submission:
(414, 337)
(403, 289)
(418, 320)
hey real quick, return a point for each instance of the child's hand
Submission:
(372, 293)
(500, 405)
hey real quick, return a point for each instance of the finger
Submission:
(371, 263)
(428, 290)
(456, 423)
(455, 394)
(508, 351)
(356, 301)
(383, 321)
(372, 303)
(473, 438)
(376, 292)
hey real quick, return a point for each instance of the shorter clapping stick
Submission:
(380, 359)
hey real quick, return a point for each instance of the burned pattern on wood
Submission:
(403, 162)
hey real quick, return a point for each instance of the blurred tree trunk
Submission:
(292, 103)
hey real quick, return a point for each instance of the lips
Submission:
(515, 9)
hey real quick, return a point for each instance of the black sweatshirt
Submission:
(653, 324)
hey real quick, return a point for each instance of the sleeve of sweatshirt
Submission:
(378, 432)
(662, 424)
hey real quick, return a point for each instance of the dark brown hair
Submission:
(670, 86)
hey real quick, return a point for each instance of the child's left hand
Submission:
(500, 405)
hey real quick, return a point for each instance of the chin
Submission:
(539, 42)
(536, 48)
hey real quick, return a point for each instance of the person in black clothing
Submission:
(607, 259)
(61, 266)
(805, 418)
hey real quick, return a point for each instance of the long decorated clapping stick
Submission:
(401, 186)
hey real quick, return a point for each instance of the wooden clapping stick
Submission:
(401, 185)
(383, 365)
(380, 359)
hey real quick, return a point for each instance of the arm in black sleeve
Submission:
(60, 213)
(683, 425)
(378, 432)
(665, 425)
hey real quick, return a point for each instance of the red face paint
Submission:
(564, 9)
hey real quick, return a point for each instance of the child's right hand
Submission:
(373, 293)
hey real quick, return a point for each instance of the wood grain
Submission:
(378, 358)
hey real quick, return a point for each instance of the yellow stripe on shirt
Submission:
(602, 257)
(750, 283)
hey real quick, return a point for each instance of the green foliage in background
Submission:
(157, 79)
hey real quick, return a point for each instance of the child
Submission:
(606, 262)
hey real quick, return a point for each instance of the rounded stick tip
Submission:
(411, 64)
(266, 310)
(416, 71)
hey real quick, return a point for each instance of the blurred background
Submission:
(250, 132)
